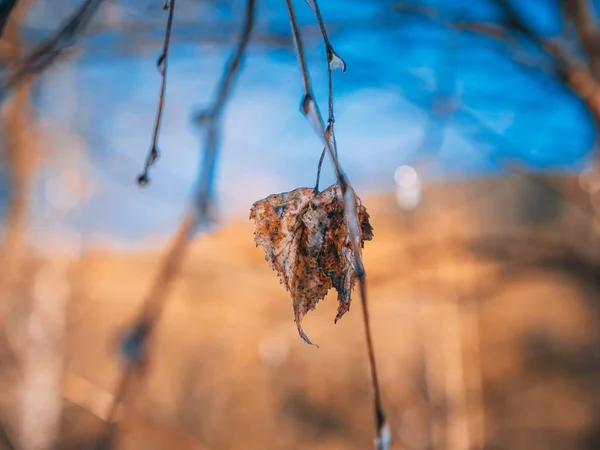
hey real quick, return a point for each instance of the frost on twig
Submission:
(308, 244)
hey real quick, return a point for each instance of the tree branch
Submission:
(49, 51)
(580, 79)
(570, 70)
(134, 346)
(310, 109)
(580, 14)
(161, 64)
(333, 62)
(6, 9)
(210, 119)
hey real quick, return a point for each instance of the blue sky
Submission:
(394, 68)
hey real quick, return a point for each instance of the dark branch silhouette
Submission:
(572, 71)
(161, 64)
(333, 62)
(49, 51)
(6, 8)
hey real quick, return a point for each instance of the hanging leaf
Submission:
(329, 241)
(306, 242)
(282, 233)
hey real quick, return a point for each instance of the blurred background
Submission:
(467, 128)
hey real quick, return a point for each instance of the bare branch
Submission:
(135, 343)
(580, 14)
(570, 70)
(134, 346)
(49, 51)
(210, 119)
(494, 31)
(6, 9)
(333, 62)
(161, 64)
(310, 109)
(514, 22)
(233, 66)
(573, 72)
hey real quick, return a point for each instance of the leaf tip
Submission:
(303, 334)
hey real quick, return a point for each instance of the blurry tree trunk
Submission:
(473, 372)
(444, 371)
(43, 366)
(42, 294)
(19, 155)
(458, 433)
(444, 346)
(429, 326)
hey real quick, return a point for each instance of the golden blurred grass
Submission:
(230, 372)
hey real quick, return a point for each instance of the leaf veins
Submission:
(306, 242)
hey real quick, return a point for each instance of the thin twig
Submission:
(234, 64)
(320, 166)
(581, 205)
(49, 51)
(573, 72)
(210, 119)
(382, 438)
(135, 343)
(570, 70)
(311, 110)
(582, 16)
(494, 31)
(161, 64)
(6, 9)
(309, 107)
(333, 62)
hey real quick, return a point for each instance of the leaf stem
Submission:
(6, 9)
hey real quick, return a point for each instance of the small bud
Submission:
(133, 344)
(306, 105)
(154, 155)
(143, 179)
(160, 63)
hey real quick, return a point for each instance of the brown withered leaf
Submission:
(306, 242)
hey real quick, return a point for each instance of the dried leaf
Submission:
(306, 242)
(329, 241)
